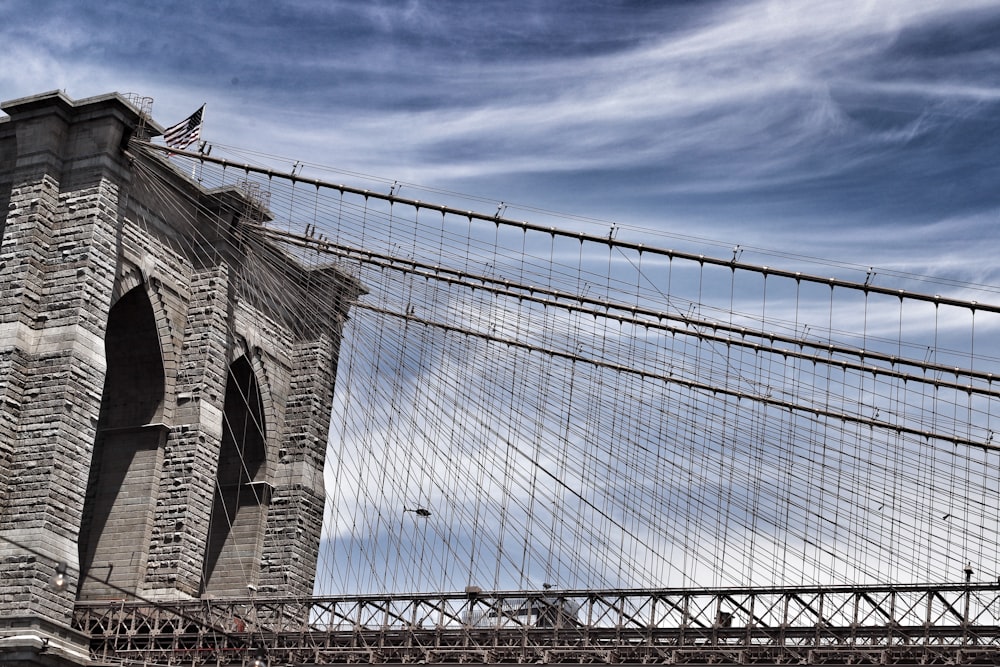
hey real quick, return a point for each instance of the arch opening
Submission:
(127, 456)
(232, 556)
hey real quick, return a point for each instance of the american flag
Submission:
(186, 132)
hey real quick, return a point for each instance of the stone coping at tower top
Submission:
(223, 219)
(67, 106)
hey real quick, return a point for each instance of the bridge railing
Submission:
(924, 622)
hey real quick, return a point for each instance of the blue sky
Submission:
(856, 131)
(862, 132)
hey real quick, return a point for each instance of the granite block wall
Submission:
(124, 315)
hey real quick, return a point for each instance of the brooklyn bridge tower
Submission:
(163, 417)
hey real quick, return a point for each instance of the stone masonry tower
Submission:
(163, 422)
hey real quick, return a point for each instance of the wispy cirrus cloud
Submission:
(800, 126)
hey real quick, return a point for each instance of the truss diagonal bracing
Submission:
(878, 625)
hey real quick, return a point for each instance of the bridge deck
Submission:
(929, 624)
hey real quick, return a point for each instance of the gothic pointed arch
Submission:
(127, 455)
(232, 556)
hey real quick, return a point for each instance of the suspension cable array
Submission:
(588, 410)
(522, 406)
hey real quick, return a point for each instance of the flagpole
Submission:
(201, 144)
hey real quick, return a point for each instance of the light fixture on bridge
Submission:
(259, 657)
(419, 511)
(59, 581)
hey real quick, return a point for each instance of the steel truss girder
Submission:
(953, 623)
